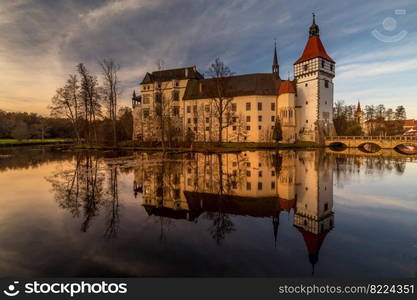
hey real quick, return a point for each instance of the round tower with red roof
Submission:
(314, 72)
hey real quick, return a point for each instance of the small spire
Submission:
(314, 28)
(275, 65)
(134, 94)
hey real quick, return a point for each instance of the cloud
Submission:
(42, 41)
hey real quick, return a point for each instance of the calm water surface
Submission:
(289, 214)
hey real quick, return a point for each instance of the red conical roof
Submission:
(314, 48)
(286, 87)
(313, 241)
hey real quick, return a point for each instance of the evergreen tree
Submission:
(277, 133)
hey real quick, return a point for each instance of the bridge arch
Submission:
(370, 147)
(337, 146)
(403, 149)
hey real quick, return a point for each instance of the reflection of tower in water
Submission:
(314, 217)
(252, 184)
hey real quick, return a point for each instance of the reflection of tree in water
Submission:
(222, 223)
(347, 166)
(81, 191)
(112, 218)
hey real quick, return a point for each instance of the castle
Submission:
(178, 103)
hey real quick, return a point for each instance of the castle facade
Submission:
(178, 103)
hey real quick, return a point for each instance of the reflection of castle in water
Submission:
(256, 184)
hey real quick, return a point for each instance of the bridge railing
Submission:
(379, 138)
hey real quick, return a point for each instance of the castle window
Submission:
(306, 85)
(234, 119)
(247, 127)
(177, 83)
(323, 64)
(175, 110)
(259, 127)
(306, 121)
(207, 120)
(207, 107)
(234, 128)
(248, 106)
(306, 102)
(248, 186)
(146, 112)
(305, 67)
(188, 109)
(175, 95)
(260, 173)
(247, 118)
(272, 173)
(145, 99)
(260, 186)
(272, 185)
(326, 206)
(207, 128)
(234, 107)
(189, 121)
(195, 120)
(195, 108)
(326, 84)
(248, 174)
(260, 118)
(273, 106)
(272, 118)
(331, 67)
(259, 105)
(158, 97)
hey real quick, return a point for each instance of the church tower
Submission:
(314, 72)
(275, 65)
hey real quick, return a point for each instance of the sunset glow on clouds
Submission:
(42, 41)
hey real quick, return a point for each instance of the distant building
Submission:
(410, 124)
(304, 105)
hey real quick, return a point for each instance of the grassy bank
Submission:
(202, 147)
(13, 142)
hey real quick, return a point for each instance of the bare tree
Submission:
(90, 99)
(218, 92)
(111, 91)
(66, 103)
(240, 132)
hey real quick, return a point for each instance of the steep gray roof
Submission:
(177, 74)
(241, 85)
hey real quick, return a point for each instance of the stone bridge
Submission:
(383, 142)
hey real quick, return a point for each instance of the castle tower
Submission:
(275, 65)
(314, 72)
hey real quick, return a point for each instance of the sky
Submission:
(374, 43)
